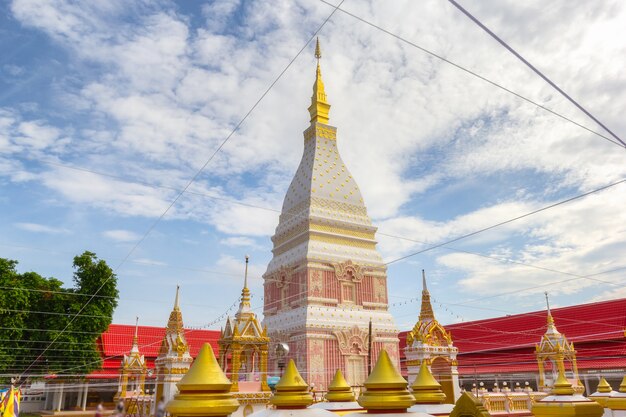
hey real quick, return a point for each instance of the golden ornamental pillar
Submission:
(263, 369)
(235, 365)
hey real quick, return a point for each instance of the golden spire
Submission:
(319, 108)
(244, 306)
(339, 390)
(386, 390)
(426, 312)
(603, 386)
(291, 391)
(622, 386)
(135, 337)
(426, 389)
(550, 318)
(204, 390)
(175, 322)
(562, 386)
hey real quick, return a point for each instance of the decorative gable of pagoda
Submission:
(134, 363)
(247, 328)
(429, 333)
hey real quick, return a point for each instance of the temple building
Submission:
(174, 358)
(429, 342)
(243, 351)
(326, 279)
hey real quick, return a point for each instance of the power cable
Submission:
(232, 201)
(535, 70)
(475, 74)
(579, 196)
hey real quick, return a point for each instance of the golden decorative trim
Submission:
(324, 132)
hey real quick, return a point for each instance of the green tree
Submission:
(50, 329)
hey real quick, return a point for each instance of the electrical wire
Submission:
(208, 161)
(473, 73)
(484, 229)
(535, 70)
(232, 201)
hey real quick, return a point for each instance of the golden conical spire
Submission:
(291, 391)
(244, 305)
(319, 108)
(551, 325)
(426, 389)
(426, 312)
(135, 347)
(603, 386)
(175, 323)
(562, 386)
(386, 389)
(204, 390)
(339, 390)
(622, 386)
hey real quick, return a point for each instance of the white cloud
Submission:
(121, 235)
(159, 94)
(41, 228)
(239, 241)
(230, 265)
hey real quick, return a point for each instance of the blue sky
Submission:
(142, 93)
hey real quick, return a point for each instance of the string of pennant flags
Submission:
(441, 307)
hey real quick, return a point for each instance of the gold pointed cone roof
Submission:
(426, 389)
(204, 390)
(292, 391)
(426, 311)
(175, 322)
(205, 374)
(562, 386)
(386, 389)
(339, 390)
(603, 386)
(319, 107)
(622, 386)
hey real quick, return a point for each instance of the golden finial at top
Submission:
(426, 311)
(319, 108)
(318, 51)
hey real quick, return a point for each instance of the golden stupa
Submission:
(601, 396)
(204, 390)
(426, 389)
(386, 390)
(564, 402)
(617, 400)
(292, 391)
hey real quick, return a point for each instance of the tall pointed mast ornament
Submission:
(319, 108)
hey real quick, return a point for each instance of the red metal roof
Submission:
(118, 339)
(506, 344)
